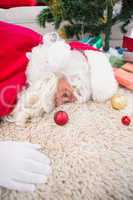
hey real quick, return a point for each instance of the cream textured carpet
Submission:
(92, 156)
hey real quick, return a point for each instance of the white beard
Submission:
(37, 99)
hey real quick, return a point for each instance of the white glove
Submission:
(22, 166)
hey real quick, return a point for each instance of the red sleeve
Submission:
(15, 41)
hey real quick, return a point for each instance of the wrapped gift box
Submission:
(128, 43)
(95, 41)
(128, 40)
(128, 56)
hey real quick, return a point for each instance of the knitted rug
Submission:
(92, 156)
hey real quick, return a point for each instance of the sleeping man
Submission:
(57, 74)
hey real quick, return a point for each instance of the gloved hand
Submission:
(22, 165)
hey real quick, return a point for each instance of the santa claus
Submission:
(60, 73)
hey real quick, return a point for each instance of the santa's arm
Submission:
(103, 82)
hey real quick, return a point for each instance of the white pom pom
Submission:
(58, 52)
(50, 38)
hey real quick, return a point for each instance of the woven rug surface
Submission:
(91, 157)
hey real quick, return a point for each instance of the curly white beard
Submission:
(37, 99)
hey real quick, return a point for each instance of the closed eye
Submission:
(65, 95)
(67, 101)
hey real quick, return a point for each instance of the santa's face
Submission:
(64, 93)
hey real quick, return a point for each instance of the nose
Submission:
(64, 99)
(69, 99)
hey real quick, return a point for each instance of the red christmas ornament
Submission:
(61, 118)
(126, 120)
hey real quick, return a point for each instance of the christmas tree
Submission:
(79, 17)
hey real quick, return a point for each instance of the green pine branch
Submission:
(85, 16)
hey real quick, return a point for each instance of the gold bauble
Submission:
(62, 33)
(119, 102)
(103, 20)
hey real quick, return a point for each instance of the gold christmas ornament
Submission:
(119, 102)
(62, 33)
(55, 6)
(103, 20)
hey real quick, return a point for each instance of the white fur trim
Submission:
(103, 82)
